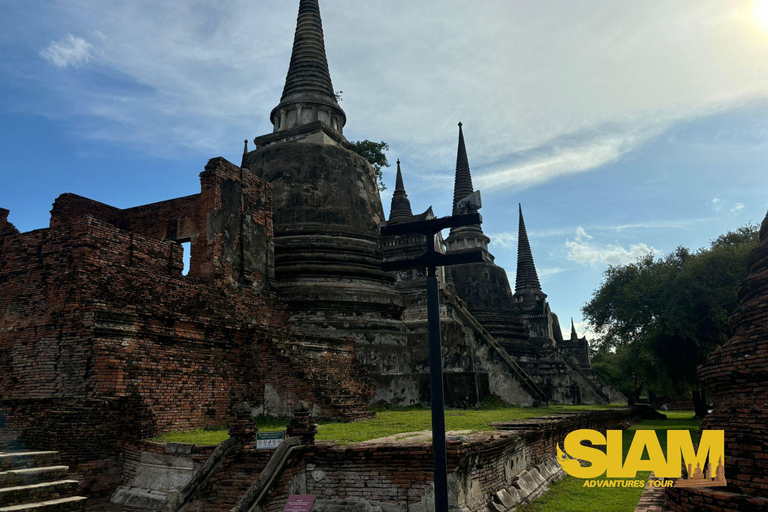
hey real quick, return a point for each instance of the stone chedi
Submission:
(328, 249)
(327, 205)
(328, 256)
(484, 286)
(737, 376)
(523, 323)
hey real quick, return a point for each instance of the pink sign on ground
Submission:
(299, 503)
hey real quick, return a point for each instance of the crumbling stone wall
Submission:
(229, 224)
(104, 341)
(399, 473)
(6, 228)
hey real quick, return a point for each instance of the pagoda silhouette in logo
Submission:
(699, 478)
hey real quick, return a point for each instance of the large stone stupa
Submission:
(327, 205)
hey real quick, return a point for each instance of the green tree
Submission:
(374, 153)
(658, 319)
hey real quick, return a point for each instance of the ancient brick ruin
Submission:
(103, 339)
(487, 470)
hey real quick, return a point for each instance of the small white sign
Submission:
(269, 440)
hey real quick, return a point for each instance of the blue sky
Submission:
(622, 127)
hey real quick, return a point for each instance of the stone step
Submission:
(14, 477)
(21, 460)
(37, 492)
(71, 504)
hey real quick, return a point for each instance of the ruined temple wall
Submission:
(229, 224)
(6, 228)
(399, 474)
(127, 323)
(103, 341)
(44, 332)
(90, 309)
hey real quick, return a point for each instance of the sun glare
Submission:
(760, 12)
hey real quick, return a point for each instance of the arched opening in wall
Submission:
(187, 246)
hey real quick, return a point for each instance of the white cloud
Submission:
(70, 51)
(660, 224)
(580, 157)
(546, 273)
(543, 93)
(505, 239)
(719, 206)
(584, 251)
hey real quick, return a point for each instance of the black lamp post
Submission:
(431, 260)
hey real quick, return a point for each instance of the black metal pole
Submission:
(436, 387)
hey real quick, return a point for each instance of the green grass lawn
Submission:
(570, 495)
(389, 422)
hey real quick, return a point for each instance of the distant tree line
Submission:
(659, 318)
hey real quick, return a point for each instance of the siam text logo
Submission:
(581, 445)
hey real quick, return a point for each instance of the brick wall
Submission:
(103, 340)
(400, 472)
(6, 228)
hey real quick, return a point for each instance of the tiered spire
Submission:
(462, 185)
(400, 209)
(527, 279)
(308, 82)
(308, 72)
(244, 163)
(465, 237)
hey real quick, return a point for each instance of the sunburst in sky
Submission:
(760, 12)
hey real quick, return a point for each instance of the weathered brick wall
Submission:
(6, 228)
(104, 341)
(229, 224)
(400, 472)
(714, 499)
(135, 327)
(86, 432)
(41, 320)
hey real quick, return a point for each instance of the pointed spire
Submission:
(400, 209)
(244, 163)
(462, 185)
(574, 334)
(308, 72)
(308, 82)
(399, 180)
(527, 279)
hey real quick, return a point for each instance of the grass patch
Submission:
(569, 493)
(215, 435)
(392, 421)
(398, 420)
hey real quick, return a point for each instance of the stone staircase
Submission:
(35, 482)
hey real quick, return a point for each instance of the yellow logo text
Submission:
(584, 445)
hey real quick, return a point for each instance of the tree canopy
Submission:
(659, 318)
(374, 153)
